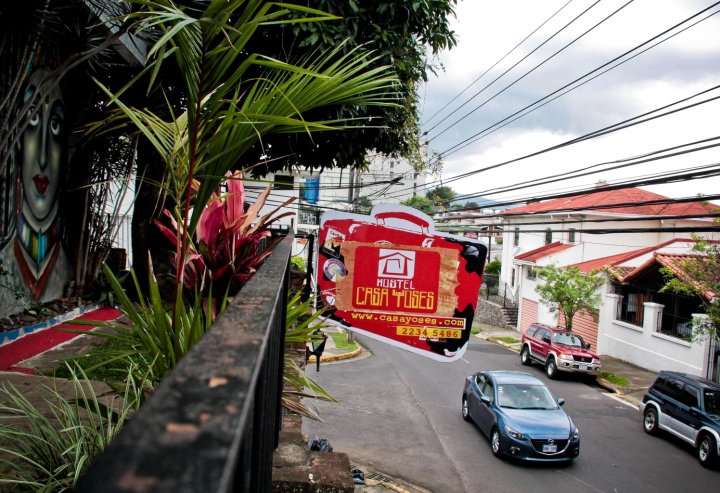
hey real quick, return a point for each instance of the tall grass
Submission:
(47, 448)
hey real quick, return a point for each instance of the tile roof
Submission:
(591, 201)
(543, 251)
(673, 262)
(613, 262)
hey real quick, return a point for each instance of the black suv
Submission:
(688, 407)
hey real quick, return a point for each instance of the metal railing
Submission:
(493, 289)
(213, 423)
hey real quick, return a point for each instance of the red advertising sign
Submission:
(391, 277)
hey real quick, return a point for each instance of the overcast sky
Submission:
(488, 30)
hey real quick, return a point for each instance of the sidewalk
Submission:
(639, 378)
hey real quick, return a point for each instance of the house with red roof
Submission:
(629, 234)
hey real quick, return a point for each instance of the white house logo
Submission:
(398, 264)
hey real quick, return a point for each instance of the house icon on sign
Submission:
(398, 264)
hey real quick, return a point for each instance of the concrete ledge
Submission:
(296, 469)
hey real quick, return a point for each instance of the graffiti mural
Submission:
(35, 266)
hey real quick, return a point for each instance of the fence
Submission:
(213, 423)
(498, 292)
(676, 320)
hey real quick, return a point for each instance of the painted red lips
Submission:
(41, 183)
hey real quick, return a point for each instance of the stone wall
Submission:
(489, 313)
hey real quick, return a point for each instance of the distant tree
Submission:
(492, 275)
(423, 204)
(364, 204)
(471, 205)
(566, 290)
(493, 267)
(702, 279)
(441, 196)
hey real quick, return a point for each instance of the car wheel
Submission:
(650, 421)
(707, 451)
(525, 356)
(465, 409)
(495, 442)
(551, 369)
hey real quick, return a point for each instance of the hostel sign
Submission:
(391, 277)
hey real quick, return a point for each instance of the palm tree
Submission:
(231, 99)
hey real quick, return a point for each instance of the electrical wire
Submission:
(496, 64)
(529, 71)
(557, 94)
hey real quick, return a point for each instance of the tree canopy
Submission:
(442, 196)
(702, 279)
(423, 204)
(403, 34)
(567, 290)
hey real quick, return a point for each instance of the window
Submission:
(516, 238)
(531, 274)
(548, 236)
(531, 331)
(571, 235)
(512, 279)
(674, 389)
(712, 401)
(488, 391)
(283, 182)
(480, 381)
(689, 396)
(543, 335)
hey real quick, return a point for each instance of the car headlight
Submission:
(514, 434)
(566, 357)
(575, 435)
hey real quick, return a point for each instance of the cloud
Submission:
(684, 65)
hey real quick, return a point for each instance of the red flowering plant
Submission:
(231, 240)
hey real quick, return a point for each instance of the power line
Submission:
(526, 73)
(496, 63)
(457, 147)
(557, 94)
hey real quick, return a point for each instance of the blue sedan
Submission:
(520, 416)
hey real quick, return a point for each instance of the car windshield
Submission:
(568, 339)
(712, 402)
(523, 396)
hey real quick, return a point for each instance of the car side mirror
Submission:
(560, 401)
(485, 400)
(588, 346)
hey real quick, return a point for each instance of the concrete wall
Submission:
(644, 346)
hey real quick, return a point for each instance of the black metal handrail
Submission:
(212, 425)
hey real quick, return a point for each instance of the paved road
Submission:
(400, 414)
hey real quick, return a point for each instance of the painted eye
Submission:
(34, 120)
(55, 126)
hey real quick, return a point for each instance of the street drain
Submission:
(378, 477)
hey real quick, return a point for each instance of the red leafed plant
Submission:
(230, 240)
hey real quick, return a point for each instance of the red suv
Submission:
(558, 350)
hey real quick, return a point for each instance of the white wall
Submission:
(644, 346)
(588, 246)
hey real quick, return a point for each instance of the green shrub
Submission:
(297, 263)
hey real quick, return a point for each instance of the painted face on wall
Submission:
(42, 146)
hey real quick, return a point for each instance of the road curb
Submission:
(512, 346)
(618, 391)
(337, 357)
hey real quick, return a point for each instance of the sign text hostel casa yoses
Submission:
(389, 276)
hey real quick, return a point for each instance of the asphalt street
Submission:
(399, 413)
